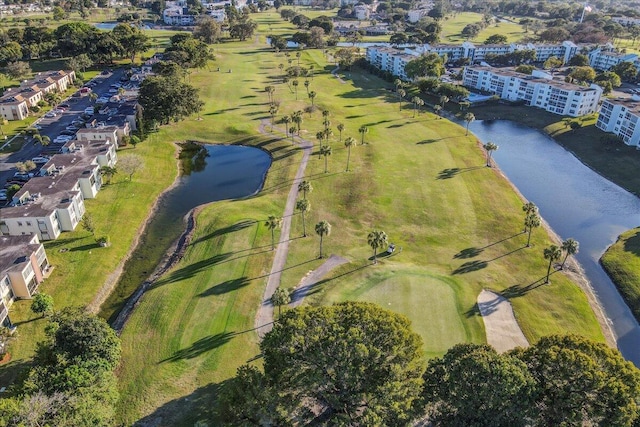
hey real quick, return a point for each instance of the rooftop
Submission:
(509, 72)
(631, 104)
(15, 251)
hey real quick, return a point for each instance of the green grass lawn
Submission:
(622, 262)
(452, 28)
(419, 179)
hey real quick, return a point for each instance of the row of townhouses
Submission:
(394, 60)
(537, 90)
(177, 13)
(15, 102)
(47, 205)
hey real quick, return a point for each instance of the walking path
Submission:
(264, 317)
(500, 324)
(335, 73)
(312, 278)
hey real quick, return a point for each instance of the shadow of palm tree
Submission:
(241, 225)
(225, 287)
(470, 266)
(201, 346)
(192, 269)
(468, 253)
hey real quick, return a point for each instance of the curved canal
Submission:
(209, 173)
(576, 202)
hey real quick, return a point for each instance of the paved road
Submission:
(53, 126)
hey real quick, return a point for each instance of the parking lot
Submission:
(54, 125)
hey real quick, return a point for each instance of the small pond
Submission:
(209, 173)
(576, 202)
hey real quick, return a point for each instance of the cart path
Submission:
(264, 317)
(311, 279)
(502, 329)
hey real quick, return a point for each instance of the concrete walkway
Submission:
(312, 278)
(264, 317)
(503, 331)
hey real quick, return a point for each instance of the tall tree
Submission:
(531, 221)
(280, 297)
(323, 228)
(208, 30)
(401, 95)
(363, 130)
(325, 151)
(468, 118)
(42, 304)
(490, 147)
(417, 101)
(305, 187)
(553, 254)
(312, 97)
(472, 385)
(349, 142)
(340, 128)
(272, 223)
(429, 65)
(376, 240)
(303, 206)
(570, 247)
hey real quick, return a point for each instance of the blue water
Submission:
(576, 202)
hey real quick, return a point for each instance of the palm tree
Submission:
(295, 84)
(93, 96)
(297, 119)
(416, 101)
(270, 90)
(280, 297)
(108, 172)
(552, 253)
(286, 120)
(363, 130)
(340, 129)
(323, 228)
(306, 85)
(328, 133)
(490, 147)
(273, 110)
(43, 140)
(348, 142)
(469, 117)
(436, 109)
(531, 221)
(312, 96)
(272, 223)
(529, 208)
(320, 138)
(306, 188)
(570, 247)
(376, 240)
(325, 151)
(443, 100)
(401, 95)
(398, 84)
(298, 57)
(303, 206)
(292, 132)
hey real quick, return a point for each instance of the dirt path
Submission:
(501, 326)
(264, 317)
(335, 73)
(309, 281)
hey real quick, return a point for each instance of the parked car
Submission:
(68, 132)
(89, 111)
(72, 128)
(62, 139)
(3, 196)
(50, 115)
(40, 159)
(64, 105)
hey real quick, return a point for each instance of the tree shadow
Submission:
(516, 291)
(192, 269)
(85, 247)
(470, 266)
(241, 225)
(469, 253)
(451, 172)
(201, 346)
(61, 242)
(248, 96)
(300, 293)
(186, 410)
(632, 244)
(503, 240)
(428, 141)
(225, 287)
(225, 110)
(399, 125)
(12, 375)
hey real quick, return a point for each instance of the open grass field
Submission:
(622, 263)
(452, 29)
(419, 179)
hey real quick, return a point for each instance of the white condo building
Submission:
(621, 117)
(537, 90)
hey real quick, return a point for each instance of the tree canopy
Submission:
(164, 99)
(429, 65)
(346, 364)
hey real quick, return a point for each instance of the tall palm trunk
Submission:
(529, 237)
(549, 269)
(304, 226)
(375, 253)
(321, 246)
(348, 157)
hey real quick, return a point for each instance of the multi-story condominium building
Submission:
(626, 21)
(177, 13)
(604, 60)
(361, 12)
(538, 90)
(382, 57)
(622, 118)
(23, 266)
(54, 201)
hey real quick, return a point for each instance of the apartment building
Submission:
(53, 202)
(538, 90)
(23, 266)
(603, 60)
(621, 118)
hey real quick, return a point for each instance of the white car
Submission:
(62, 138)
(50, 114)
(40, 159)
